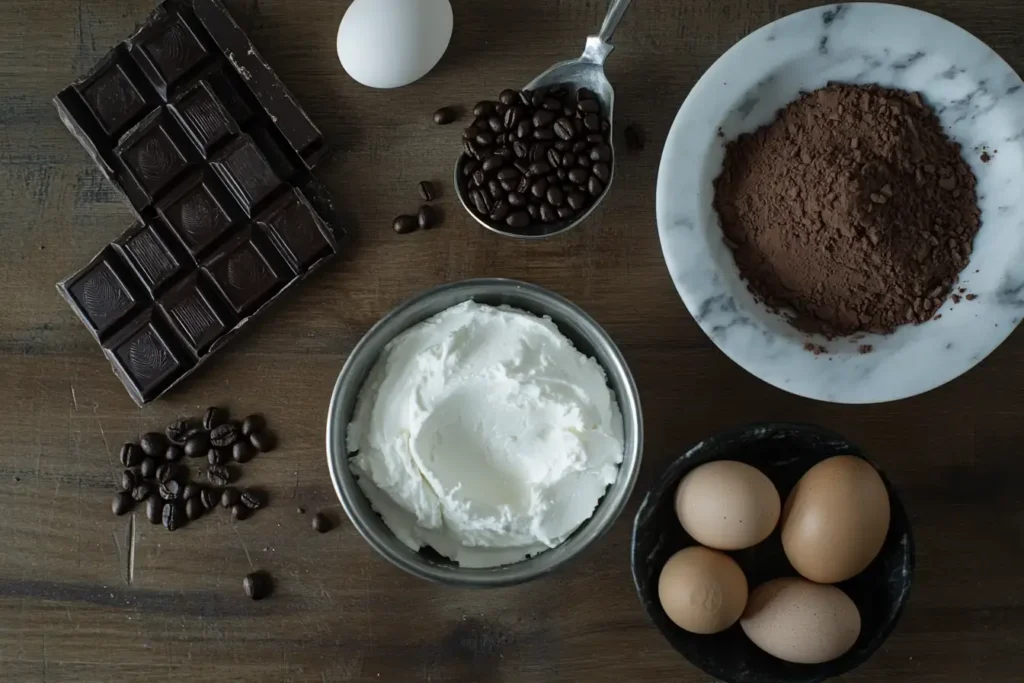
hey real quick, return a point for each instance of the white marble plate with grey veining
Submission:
(980, 101)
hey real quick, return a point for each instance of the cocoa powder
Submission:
(853, 210)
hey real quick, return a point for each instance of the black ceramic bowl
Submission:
(784, 452)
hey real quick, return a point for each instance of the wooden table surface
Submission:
(83, 598)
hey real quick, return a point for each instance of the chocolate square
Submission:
(152, 154)
(197, 313)
(247, 272)
(167, 49)
(203, 116)
(145, 356)
(103, 293)
(246, 172)
(151, 257)
(296, 230)
(112, 95)
(199, 211)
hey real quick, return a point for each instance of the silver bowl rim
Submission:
(346, 487)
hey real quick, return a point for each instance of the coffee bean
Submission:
(172, 515)
(555, 157)
(537, 97)
(197, 445)
(520, 150)
(252, 499)
(210, 497)
(555, 196)
(320, 523)
(217, 456)
(602, 171)
(583, 161)
(589, 106)
(539, 188)
(229, 497)
(470, 167)
(568, 160)
(578, 176)
(148, 468)
(130, 455)
(560, 174)
(495, 124)
(494, 187)
(591, 122)
(121, 503)
(263, 441)
(153, 444)
(509, 185)
(225, 435)
(141, 492)
(493, 163)
(444, 116)
(577, 200)
(518, 219)
(219, 475)
(404, 224)
(501, 140)
(568, 111)
(526, 97)
(471, 148)
(500, 210)
(565, 212)
(543, 134)
(564, 129)
(169, 490)
(194, 508)
(551, 104)
(483, 108)
(547, 213)
(562, 145)
(243, 451)
(542, 118)
(521, 166)
(174, 453)
(601, 152)
(154, 509)
(167, 471)
(594, 186)
(481, 201)
(568, 188)
(524, 185)
(595, 138)
(484, 139)
(427, 195)
(508, 96)
(538, 152)
(470, 132)
(516, 199)
(257, 585)
(214, 417)
(191, 490)
(552, 178)
(239, 512)
(513, 116)
(177, 430)
(478, 177)
(509, 173)
(540, 168)
(534, 211)
(128, 480)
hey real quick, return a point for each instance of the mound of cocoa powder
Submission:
(853, 209)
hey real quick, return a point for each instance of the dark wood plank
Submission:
(87, 597)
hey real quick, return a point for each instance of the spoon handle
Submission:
(616, 8)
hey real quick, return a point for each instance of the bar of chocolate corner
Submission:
(214, 156)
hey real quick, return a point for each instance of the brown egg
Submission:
(801, 622)
(835, 519)
(702, 590)
(727, 505)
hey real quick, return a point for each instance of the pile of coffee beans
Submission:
(425, 219)
(536, 159)
(155, 475)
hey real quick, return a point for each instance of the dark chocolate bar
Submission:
(214, 156)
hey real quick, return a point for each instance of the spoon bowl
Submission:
(587, 71)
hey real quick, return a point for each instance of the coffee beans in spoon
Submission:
(547, 151)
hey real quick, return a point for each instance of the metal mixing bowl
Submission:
(584, 333)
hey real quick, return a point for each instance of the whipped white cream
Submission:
(484, 434)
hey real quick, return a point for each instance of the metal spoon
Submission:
(585, 72)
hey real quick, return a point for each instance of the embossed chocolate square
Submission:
(147, 357)
(155, 154)
(247, 271)
(246, 171)
(151, 255)
(297, 232)
(104, 294)
(199, 211)
(114, 95)
(167, 47)
(198, 313)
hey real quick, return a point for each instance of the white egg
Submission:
(391, 43)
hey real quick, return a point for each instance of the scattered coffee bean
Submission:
(191, 490)
(170, 490)
(217, 456)
(242, 452)
(214, 417)
(404, 224)
(508, 96)
(427, 195)
(239, 512)
(197, 445)
(321, 523)
(168, 471)
(595, 187)
(252, 499)
(426, 218)
(141, 492)
(153, 444)
(194, 508)
(219, 475)
(155, 509)
(257, 585)
(210, 497)
(225, 435)
(444, 116)
(634, 140)
(148, 468)
(174, 453)
(555, 196)
(602, 171)
(128, 480)
(483, 108)
(130, 455)
(264, 441)
(229, 497)
(122, 503)
(564, 129)
(177, 430)
(172, 515)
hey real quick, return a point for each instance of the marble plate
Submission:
(980, 101)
